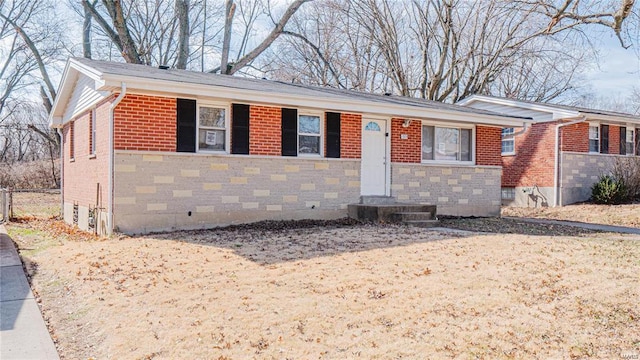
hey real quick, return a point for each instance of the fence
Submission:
(6, 204)
(30, 203)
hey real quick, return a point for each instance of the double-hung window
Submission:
(630, 143)
(508, 141)
(212, 128)
(446, 144)
(594, 139)
(309, 134)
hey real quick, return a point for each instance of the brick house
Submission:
(149, 149)
(557, 159)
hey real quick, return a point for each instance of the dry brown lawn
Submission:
(623, 215)
(336, 292)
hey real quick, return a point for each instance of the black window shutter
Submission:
(240, 129)
(332, 135)
(604, 139)
(289, 132)
(623, 140)
(638, 141)
(186, 120)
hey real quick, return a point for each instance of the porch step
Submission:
(423, 223)
(393, 213)
(415, 216)
(377, 200)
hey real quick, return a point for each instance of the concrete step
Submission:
(423, 223)
(377, 200)
(389, 213)
(415, 215)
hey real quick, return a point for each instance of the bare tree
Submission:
(445, 50)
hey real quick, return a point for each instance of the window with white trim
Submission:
(446, 144)
(508, 141)
(630, 143)
(212, 128)
(594, 138)
(309, 135)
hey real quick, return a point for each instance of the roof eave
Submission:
(557, 113)
(609, 118)
(72, 70)
(112, 82)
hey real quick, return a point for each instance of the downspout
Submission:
(520, 132)
(123, 92)
(558, 160)
(59, 131)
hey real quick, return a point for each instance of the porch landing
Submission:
(385, 209)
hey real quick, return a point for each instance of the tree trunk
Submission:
(230, 10)
(182, 13)
(86, 31)
(129, 50)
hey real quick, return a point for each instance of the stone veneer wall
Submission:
(455, 189)
(579, 172)
(166, 191)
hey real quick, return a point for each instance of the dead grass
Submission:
(43, 204)
(338, 292)
(623, 215)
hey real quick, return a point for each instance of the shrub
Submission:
(608, 190)
(627, 171)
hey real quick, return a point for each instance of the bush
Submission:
(608, 190)
(627, 171)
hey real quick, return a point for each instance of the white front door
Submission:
(373, 174)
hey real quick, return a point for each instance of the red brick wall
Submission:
(488, 141)
(406, 150)
(145, 123)
(574, 138)
(82, 175)
(350, 136)
(533, 163)
(614, 139)
(265, 130)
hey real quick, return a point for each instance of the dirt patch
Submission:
(511, 226)
(622, 215)
(338, 291)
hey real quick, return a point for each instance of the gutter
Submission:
(557, 161)
(59, 131)
(123, 92)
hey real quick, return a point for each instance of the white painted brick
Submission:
(124, 200)
(211, 186)
(278, 177)
(252, 170)
(145, 189)
(205, 209)
(274, 207)
(125, 168)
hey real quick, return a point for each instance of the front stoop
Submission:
(393, 212)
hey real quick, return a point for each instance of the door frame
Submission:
(387, 144)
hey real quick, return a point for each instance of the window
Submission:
(630, 143)
(508, 193)
(508, 141)
(594, 139)
(92, 130)
(446, 144)
(212, 131)
(309, 134)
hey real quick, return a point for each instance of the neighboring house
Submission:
(556, 160)
(148, 149)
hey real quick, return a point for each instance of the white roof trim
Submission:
(556, 113)
(112, 82)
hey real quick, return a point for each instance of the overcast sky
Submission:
(619, 69)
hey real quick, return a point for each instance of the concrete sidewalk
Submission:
(23, 333)
(599, 227)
